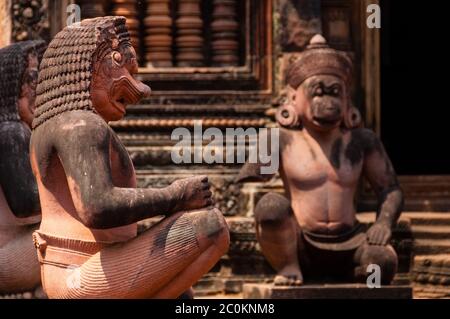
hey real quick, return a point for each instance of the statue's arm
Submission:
(16, 177)
(264, 166)
(251, 172)
(84, 153)
(380, 173)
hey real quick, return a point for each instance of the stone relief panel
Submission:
(30, 20)
(300, 20)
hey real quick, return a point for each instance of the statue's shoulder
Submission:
(362, 134)
(81, 122)
(74, 128)
(80, 118)
(365, 139)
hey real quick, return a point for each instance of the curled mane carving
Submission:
(66, 69)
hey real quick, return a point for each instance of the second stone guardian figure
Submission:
(312, 230)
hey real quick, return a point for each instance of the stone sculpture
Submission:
(87, 243)
(313, 230)
(19, 201)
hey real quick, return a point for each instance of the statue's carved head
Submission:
(318, 90)
(19, 63)
(89, 66)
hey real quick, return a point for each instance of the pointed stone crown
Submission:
(319, 59)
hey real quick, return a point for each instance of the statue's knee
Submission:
(383, 256)
(212, 225)
(272, 207)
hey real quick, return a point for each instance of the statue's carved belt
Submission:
(347, 241)
(63, 252)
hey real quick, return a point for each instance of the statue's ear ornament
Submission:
(287, 117)
(117, 57)
(353, 118)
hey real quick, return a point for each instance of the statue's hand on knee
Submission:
(194, 193)
(379, 234)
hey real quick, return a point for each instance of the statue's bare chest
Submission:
(308, 164)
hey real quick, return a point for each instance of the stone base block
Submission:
(325, 291)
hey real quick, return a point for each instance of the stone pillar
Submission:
(158, 29)
(225, 43)
(189, 41)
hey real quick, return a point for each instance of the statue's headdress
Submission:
(66, 69)
(318, 59)
(13, 63)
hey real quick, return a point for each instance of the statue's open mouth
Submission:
(326, 121)
(124, 92)
(120, 104)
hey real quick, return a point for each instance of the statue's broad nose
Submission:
(144, 90)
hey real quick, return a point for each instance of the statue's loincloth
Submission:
(350, 240)
(63, 252)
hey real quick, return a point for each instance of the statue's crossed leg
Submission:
(162, 262)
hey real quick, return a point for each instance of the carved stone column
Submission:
(189, 41)
(225, 44)
(158, 29)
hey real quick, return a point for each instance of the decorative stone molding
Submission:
(151, 123)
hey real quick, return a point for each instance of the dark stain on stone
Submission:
(363, 141)
(335, 153)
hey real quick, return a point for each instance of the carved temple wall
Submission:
(223, 62)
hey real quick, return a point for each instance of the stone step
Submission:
(326, 291)
(429, 218)
(431, 231)
(415, 218)
(431, 246)
(206, 292)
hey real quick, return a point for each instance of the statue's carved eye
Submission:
(318, 91)
(117, 57)
(336, 91)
